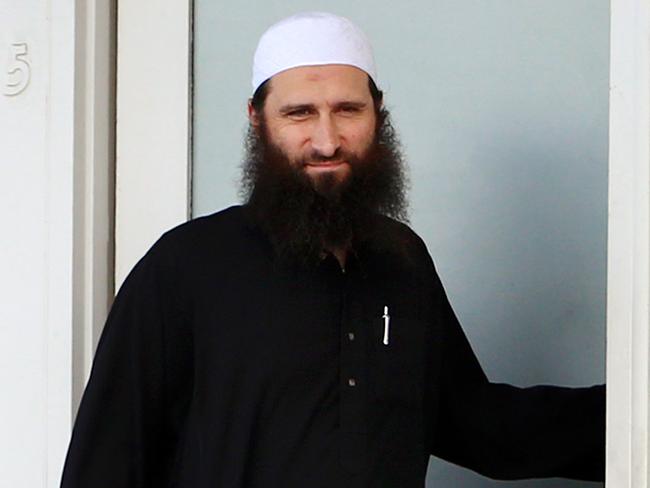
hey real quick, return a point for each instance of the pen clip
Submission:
(386, 318)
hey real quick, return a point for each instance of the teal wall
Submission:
(502, 106)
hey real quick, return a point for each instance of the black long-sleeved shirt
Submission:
(221, 367)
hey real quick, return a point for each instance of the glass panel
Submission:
(502, 107)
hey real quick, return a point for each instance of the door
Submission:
(502, 108)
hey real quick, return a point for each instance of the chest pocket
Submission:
(397, 368)
(397, 403)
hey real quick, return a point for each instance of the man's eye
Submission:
(303, 112)
(350, 109)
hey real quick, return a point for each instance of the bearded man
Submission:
(304, 338)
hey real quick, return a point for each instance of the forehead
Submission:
(311, 84)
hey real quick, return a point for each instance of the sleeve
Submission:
(506, 432)
(127, 427)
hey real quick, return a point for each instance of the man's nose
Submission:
(325, 139)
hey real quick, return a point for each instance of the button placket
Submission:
(352, 362)
(353, 384)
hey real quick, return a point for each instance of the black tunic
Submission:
(220, 367)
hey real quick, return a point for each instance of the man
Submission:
(304, 339)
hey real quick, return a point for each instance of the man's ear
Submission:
(253, 116)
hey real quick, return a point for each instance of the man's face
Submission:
(321, 163)
(322, 118)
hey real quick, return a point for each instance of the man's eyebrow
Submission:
(351, 104)
(285, 109)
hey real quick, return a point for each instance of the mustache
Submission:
(338, 155)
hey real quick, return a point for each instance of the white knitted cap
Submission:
(310, 39)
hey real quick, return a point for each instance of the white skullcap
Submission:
(309, 39)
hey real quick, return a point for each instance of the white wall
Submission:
(36, 182)
(55, 209)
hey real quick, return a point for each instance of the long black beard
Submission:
(302, 217)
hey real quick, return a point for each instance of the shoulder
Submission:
(392, 248)
(399, 237)
(190, 254)
(206, 237)
(218, 242)
(222, 222)
(220, 230)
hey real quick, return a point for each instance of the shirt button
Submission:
(351, 336)
(352, 382)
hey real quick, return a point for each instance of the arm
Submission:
(506, 432)
(126, 430)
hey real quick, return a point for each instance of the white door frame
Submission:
(94, 149)
(628, 287)
(56, 141)
(154, 99)
(153, 131)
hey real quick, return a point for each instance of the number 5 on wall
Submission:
(19, 70)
